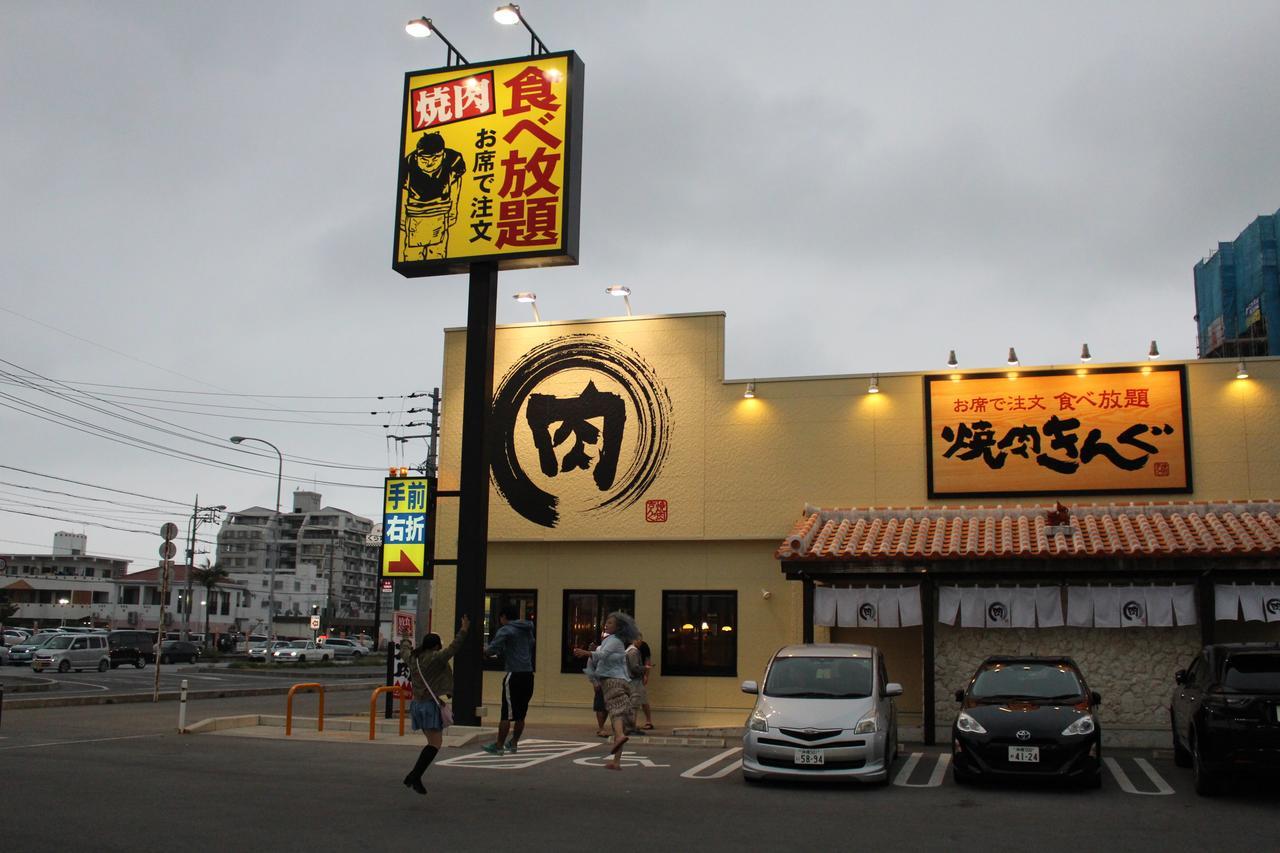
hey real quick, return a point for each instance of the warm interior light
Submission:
(1242, 372)
(706, 627)
(507, 15)
(750, 393)
(1013, 357)
(1154, 352)
(688, 626)
(874, 386)
(419, 28)
(726, 628)
(1084, 353)
(951, 360)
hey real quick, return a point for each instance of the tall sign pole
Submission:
(167, 549)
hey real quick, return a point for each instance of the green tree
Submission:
(209, 577)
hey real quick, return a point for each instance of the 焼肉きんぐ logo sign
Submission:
(490, 166)
(579, 423)
(1058, 432)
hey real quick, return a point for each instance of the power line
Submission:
(210, 405)
(183, 504)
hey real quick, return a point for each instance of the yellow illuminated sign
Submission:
(1111, 430)
(405, 501)
(489, 166)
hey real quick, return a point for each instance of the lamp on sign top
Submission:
(1013, 358)
(1084, 353)
(951, 360)
(509, 15)
(1154, 352)
(750, 393)
(1242, 372)
(623, 291)
(873, 387)
(532, 299)
(421, 28)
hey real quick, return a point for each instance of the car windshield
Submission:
(820, 678)
(1020, 680)
(298, 644)
(1252, 673)
(61, 641)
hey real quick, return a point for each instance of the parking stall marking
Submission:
(69, 742)
(628, 759)
(532, 752)
(692, 772)
(1163, 789)
(935, 778)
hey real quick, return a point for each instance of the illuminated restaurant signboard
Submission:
(1058, 432)
(490, 166)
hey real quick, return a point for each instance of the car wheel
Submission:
(1205, 783)
(103, 666)
(1181, 758)
(302, 658)
(64, 666)
(324, 658)
(139, 663)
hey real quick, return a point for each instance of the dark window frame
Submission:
(496, 597)
(669, 666)
(568, 663)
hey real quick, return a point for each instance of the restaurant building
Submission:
(1121, 514)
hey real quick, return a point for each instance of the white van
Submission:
(73, 651)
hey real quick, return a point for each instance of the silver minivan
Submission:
(73, 651)
(825, 712)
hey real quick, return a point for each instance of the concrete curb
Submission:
(17, 684)
(326, 671)
(166, 696)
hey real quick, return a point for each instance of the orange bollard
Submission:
(373, 708)
(288, 713)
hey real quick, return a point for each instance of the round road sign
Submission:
(169, 531)
(167, 550)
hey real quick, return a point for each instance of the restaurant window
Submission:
(584, 615)
(699, 633)
(526, 603)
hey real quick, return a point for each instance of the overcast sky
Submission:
(199, 197)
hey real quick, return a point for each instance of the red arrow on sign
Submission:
(402, 566)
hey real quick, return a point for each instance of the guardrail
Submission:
(288, 712)
(373, 707)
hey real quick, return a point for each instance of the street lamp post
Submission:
(275, 556)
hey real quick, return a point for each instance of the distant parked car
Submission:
(24, 653)
(1027, 718)
(300, 651)
(261, 651)
(14, 636)
(175, 651)
(73, 651)
(143, 641)
(1225, 713)
(344, 648)
(121, 655)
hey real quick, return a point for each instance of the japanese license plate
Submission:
(1029, 754)
(810, 756)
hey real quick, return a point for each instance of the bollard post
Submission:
(182, 708)
(1, 703)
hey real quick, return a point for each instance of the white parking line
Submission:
(68, 742)
(627, 759)
(935, 778)
(85, 683)
(1163, 788)
(532, 751)
(692, 772)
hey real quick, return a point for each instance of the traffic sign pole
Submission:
(167, 550)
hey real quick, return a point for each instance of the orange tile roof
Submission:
(1178, 529)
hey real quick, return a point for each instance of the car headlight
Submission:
(967, 723)
(867, 725)
(759, 722)
(1082, 726)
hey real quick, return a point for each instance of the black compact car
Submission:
(175, 651)
(1225, 713)
(1027, 717)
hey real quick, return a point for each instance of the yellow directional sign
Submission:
(404, 526)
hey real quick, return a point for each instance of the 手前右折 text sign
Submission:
(1111, 430)
(490, 166)
(404, 526)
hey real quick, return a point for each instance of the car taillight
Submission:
(1226, 703)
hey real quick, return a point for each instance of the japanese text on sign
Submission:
(489, 167)
(1058, 432)
(404, 526)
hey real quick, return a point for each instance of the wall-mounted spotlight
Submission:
(1084, 353)
(750, 393)
(1154, 352)
(873, 387)
(1242, 372)
(532, 299)
(1013, 358)
(951, 360)
(623, 291)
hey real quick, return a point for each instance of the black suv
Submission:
(143, 641)
(1225, 712)
(1027, 717)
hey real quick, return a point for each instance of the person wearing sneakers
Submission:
(515, 642)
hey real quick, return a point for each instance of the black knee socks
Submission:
(424, 760)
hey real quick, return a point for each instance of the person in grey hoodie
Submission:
(515, 642)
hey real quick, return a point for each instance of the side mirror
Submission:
(1096, 697)
(1180, 677)
(750, 687)
(892, 689)
(959, 695)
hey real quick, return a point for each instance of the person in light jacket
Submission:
(608, 665)
(432, 684)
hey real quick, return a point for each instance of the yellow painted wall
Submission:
(740, 472)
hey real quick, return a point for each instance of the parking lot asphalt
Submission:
(142, 786)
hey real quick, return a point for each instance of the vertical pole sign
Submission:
(490, 179)
(167, 551)
(404, 527)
